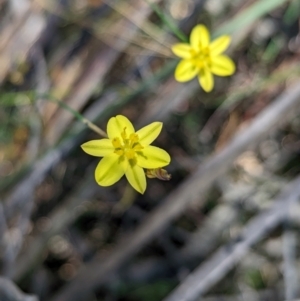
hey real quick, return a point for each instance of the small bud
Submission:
(158, 173)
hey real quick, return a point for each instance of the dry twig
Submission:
(213, 270)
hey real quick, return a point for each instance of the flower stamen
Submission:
(128, 147)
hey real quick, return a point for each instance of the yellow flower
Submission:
(127, 152)
(203, 58)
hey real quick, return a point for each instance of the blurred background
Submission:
(225, 227)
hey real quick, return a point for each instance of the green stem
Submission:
(169, 22)
(75, 113)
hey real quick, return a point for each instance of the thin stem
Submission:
(105, 33)
(146, 27)
(75, 113)
(169, 22)
(94, 128)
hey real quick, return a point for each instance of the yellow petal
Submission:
(98, 148)
(116, 126)
(219, 45)
(149, 133)
(109, 170)
(199, 37)
(136, 177)
(182, 50)
(222, 65)
(206, 79)
(153, 157)
(186, 70)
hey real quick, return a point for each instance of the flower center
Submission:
(127, 146)
(202, 57)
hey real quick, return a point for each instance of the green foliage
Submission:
(249, 16)
(254, 278)
(150, 292)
